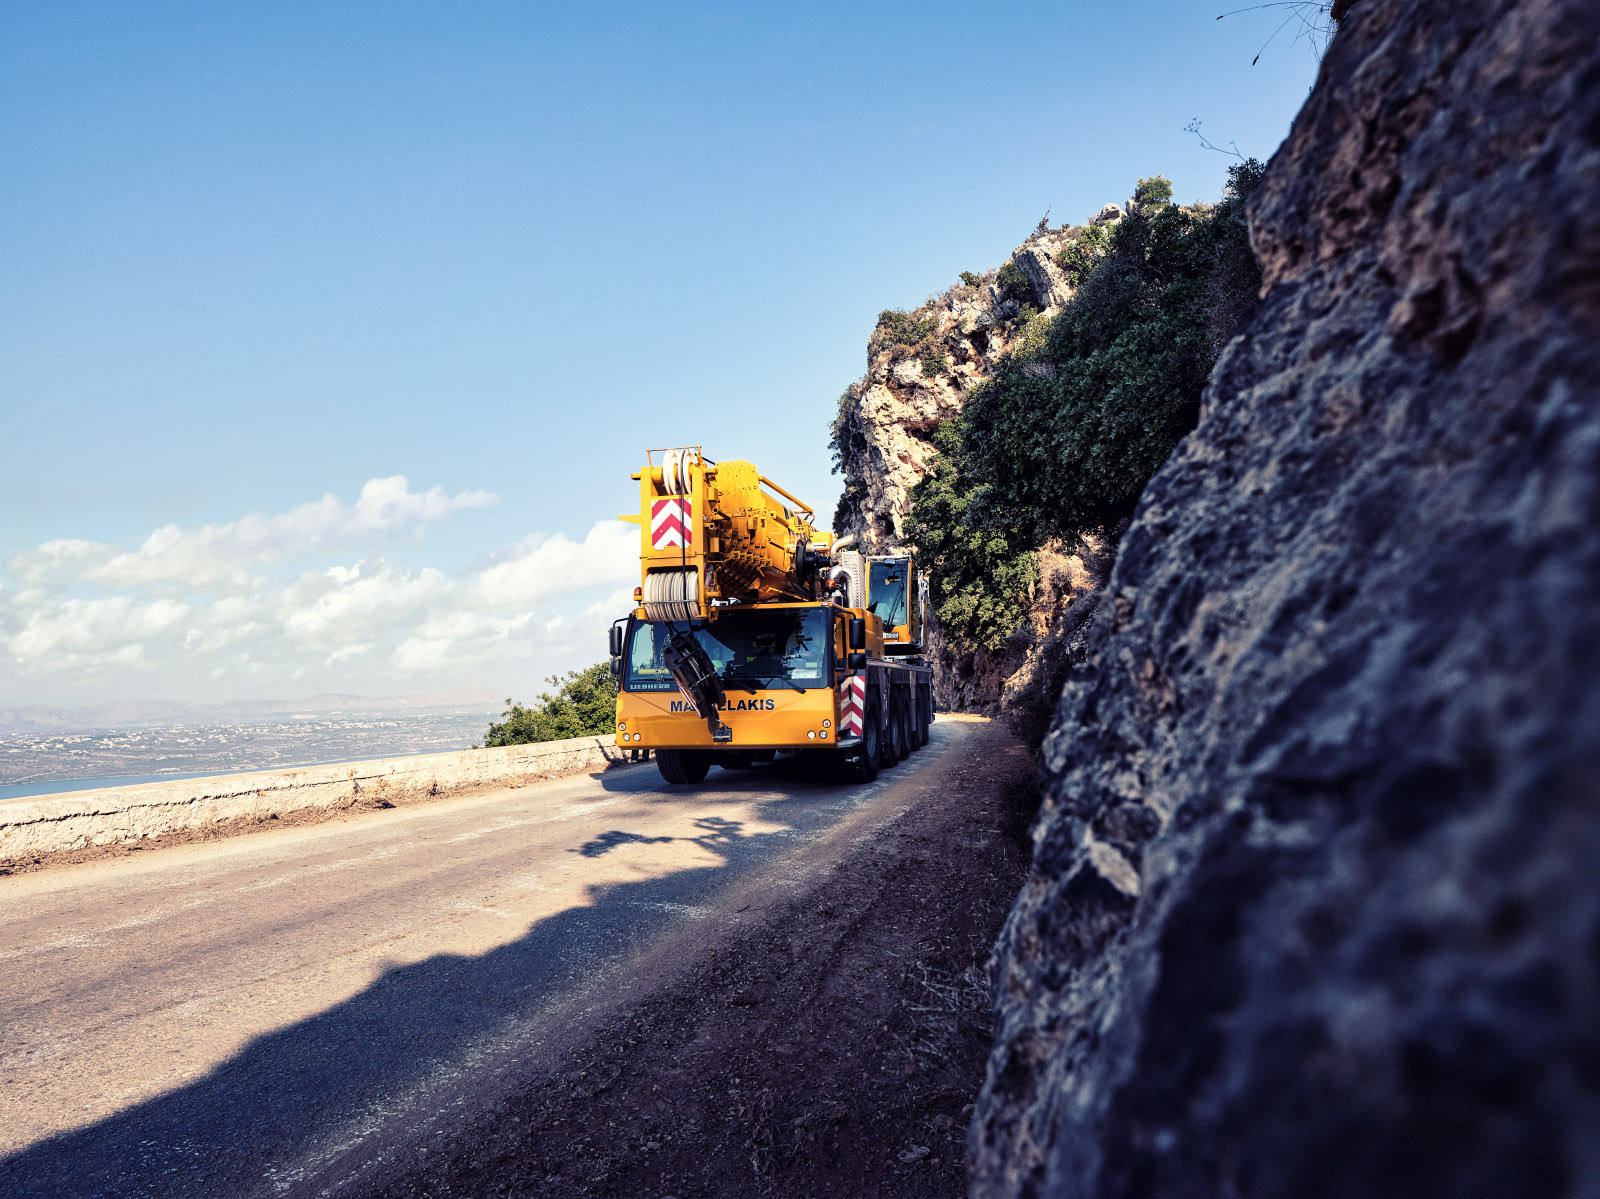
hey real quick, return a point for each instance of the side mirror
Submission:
(616, 640)
(856, 661)
(858, 633)
(616, 668)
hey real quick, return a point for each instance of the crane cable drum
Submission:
(674, 594)
(675, 471)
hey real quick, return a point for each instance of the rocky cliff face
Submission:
(1313, 908)
(1021, 680)
(921, 367)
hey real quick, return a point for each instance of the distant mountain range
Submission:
(144, 713)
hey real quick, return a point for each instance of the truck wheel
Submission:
(895, 749)
(920, 731)
(683, 765)
(865, 758)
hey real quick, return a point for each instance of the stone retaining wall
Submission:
(50, 824)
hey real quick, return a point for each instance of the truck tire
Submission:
(920, 730)
(866, 757)
(895, 747)
(683, 765)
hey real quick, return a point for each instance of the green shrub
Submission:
(980, 577)
(970, 279)
(847, 508)
(1083, 253)
(900, 328)
(1066, 432)
(584, 704)
(1032, 330)
(934, 362)
(845, 436)
(1157, 189)
(1013, 282)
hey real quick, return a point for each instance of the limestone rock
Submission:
(1021, 680)
(886, 420)
(1037, 258)
(883, 437)
(1338, 711)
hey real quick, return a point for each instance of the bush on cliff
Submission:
(1063, 436)
(584, 704)
(846, 438)
(1157, 189)
(900, 328)
(1083, 253)
(1014, 283)
(980, 576)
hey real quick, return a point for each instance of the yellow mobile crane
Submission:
(753, 633)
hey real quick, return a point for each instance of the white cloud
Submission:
(262, 602)
(602, 612)
(75, 628)
(557, 565)
(355, 605)
(213, 553)
(37, 565)
(422, 654)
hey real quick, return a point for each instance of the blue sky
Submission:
(259, 263)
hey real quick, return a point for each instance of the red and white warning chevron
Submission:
(852, 705)
(670, 523)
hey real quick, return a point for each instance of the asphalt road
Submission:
(235, 1017)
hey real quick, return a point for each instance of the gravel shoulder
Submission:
(829, 1045)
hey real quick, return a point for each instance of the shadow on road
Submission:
(278, 1100)
(715, 832)
(803, 770)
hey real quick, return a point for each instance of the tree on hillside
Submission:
(1157, 189)
(584, 704)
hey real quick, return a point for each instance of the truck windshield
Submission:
(886, 591)
(782, 647)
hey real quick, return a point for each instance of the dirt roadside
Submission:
(831, 1048)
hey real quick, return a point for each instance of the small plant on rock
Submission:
(1082, 254)
(1013, 282)
(896, 327)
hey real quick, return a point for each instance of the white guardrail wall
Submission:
(47, 824)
